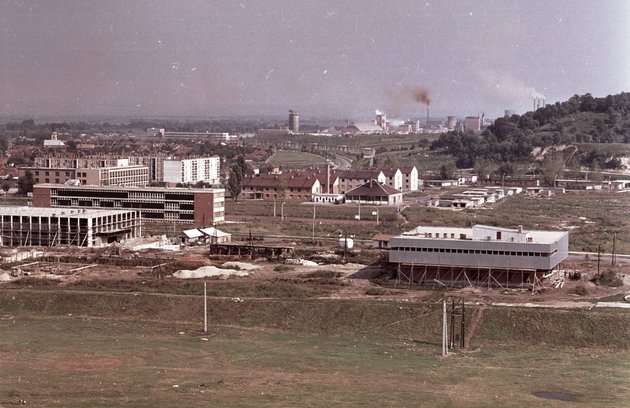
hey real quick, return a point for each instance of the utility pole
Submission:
(313, 221)
(444, 330)
(598, 258)
(205, 308)
(613, 259)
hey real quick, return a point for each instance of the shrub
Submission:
(324, 274)
(375, 291)
(283, 268)
(580, 290)
(607, 278)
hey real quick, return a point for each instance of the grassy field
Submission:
(294, 160)
(56, 358)
(592, 218)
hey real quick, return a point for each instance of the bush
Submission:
(580, 290)
(324, 274)
(376, 291)
(283, 268)
(607, 278)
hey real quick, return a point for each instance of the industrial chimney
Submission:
(427, 116)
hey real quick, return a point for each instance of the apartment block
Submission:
(191, 171)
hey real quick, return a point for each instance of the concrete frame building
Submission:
(201, 207)
(30, 226)
(126, 176)
(481, 255)
(65, 163)
(205, 169)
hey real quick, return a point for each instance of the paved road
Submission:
(344, 163)
(622, 259)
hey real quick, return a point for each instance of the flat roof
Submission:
(65, 212)
(538, 236)
(132, 188)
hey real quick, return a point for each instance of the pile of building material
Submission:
(209, 272)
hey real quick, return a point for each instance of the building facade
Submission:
(200, 207)
(282, 186)
(191, 171)
(350, 179)
(472, 124)
(481, 253)
(30, 226)
(126, 176)
(409, 178)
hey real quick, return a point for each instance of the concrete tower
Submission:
(294, 121)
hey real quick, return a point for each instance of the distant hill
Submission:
(582, 121)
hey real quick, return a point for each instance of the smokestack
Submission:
(427, 116)
(534, 103)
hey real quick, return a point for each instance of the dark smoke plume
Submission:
(420, 95)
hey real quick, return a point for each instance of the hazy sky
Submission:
(337, 57)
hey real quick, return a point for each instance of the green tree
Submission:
(25, 183)
(446, 171)
(484, 168)
(551, 168)
(235, 182)
(282, 187)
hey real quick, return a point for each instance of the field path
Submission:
(475, 324)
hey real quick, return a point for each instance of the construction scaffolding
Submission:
(27, 226)
(461, 275)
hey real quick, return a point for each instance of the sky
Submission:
(341, 58)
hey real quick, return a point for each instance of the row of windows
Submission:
(472, 251)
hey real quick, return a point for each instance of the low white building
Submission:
(483, 254)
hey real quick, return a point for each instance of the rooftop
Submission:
(479, 233)
(48, 212)
(120, 188)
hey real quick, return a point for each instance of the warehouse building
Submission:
(30, 226)
(201, 207)
(481, 255)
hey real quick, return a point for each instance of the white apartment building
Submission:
(206, 169)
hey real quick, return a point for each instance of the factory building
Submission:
(30, 226)
(200, 207)
(481, 255)
(191, 171)
(472, 124)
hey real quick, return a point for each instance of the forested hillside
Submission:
(582, 121)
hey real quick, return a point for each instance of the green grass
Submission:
(593, 218)
(81, 362)
(291, 160)
(299, 216)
